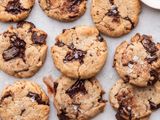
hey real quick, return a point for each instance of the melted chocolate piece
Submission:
(127, 78)
(37, 98)
(149, 45)
(14, 7)
(16, 49)
(100, 38)
(155, 76)
(152, 58)
(153, 106)
(74, 54)
(101, 100)
(132, 23)
(63, 116)
(55, 87)
(8, 94)
(78, 86)
(39, 38)
(113, 12)
(124, 112)
(22, 23)
(59, 43)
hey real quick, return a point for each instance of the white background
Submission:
(149, 23)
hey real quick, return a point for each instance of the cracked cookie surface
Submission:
(79, 52)
(15, 10)
(78, 99)
(115, 17)
(22, 50)
(138, 62)
(64, 10)
(134, 103)
(24, 100)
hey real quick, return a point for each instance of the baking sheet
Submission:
(149, 23)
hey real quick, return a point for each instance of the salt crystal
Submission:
(135, 58)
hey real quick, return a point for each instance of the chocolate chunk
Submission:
(59, 43)
(100, 38)
(132, 23)
(152, 58)
(38, 38)
(74, 54)
(101, 100)
(155, 75)
(112, 2)
(37, 98)
(127, 78)
(16, 49)
(22, 23)
(113, 12)
(55, 86)
(153, 106)
(63, 116)
(22, 111)
(78, 86)
(149, 45)
(14, 7)
(6, 95)
(124, 112)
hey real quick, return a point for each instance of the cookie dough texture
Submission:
(22, 50)
(115, 17)
(64, 10)
(78, 99)
(15, 10)
(138, 61)
(79, 52)
(24, 100)
(134, 103)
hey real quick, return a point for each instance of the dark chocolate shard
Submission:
(6, 95)
(14, 7)
(78, 86)
(22, 111)
(100, 38)
(153, 106)
(74, 54)
(16, 49)
(155, 75)
(149, 45)
(101, 100)
(113, 12)
(39, 38)
(37, 98)
(55, 87)
(152, 58)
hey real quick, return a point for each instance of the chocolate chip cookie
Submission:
(22, 50)
(15, 10)
(134, 103)
(138, 62)
(24, 100)
(80, 52)
(64, 10)
(115, 17)
(78, 99)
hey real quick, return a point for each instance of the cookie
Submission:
(64, 10)
(78, 99)
(15, 10)
(79, 52)
(115, 17)
(22, 50)
(138, 61)
(24, 100)
(134, 103)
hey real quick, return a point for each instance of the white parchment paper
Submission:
(149, 23)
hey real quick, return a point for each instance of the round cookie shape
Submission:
(22, 50)
(78, 99)
(115, 17)
(79, 52)
(64, 10)
(138, 62)
(134, 103)
(24, 100)
(15, 10)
